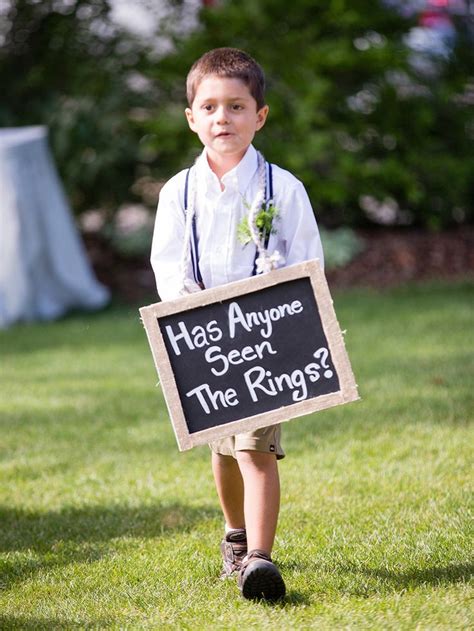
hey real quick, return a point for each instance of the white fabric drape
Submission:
(44, 270)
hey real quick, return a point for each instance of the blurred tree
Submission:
(373, 135)
(67, 65)
(374, 130)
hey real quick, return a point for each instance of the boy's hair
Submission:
(231, 63)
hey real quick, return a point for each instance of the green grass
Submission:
(103, 523)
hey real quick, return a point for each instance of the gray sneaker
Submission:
(259, 578)
(233, 550)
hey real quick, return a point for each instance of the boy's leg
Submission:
(230, 489)
(247, 481)
(258, 576)
(261, 482)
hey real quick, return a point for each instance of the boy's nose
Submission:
(222, 117)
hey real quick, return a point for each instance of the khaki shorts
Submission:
(266, 439)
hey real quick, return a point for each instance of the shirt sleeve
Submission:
(299, 228)
(168, 238)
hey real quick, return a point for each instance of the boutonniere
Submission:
(264, 221)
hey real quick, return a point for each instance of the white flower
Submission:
(266, 263)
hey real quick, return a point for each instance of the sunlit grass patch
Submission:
(103, 523)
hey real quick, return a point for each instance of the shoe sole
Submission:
(263, 581)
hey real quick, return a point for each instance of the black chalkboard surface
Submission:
(249, 354)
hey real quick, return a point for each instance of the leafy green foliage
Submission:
(265, 223)
(340, 246)
(350, 114)
(67, 65)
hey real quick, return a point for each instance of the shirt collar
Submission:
(239, 177)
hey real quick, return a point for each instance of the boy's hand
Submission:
(190, 287)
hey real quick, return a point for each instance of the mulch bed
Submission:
(391, 257)
(394, 257)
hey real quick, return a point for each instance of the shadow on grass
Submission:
(410, 578)
(80, 535)
(39, 531)
(294, 598)
(363, 581)
(24, 623)
(453, 573)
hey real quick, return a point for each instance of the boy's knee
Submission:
(256, 460)
(223, 461)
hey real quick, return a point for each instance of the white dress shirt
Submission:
(222, 258)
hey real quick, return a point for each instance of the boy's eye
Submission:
(207, 107)
(236, 106)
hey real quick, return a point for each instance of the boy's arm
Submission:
(168, 239)
(299, 227)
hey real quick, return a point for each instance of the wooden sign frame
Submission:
(310, 269)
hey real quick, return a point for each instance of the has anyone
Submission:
(201, 336)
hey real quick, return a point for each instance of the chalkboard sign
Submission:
(249, 354)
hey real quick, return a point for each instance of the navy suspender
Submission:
(194, 241)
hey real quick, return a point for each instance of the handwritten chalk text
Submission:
(255, 318)
(235, 356)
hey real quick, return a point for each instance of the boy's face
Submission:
(225, 117)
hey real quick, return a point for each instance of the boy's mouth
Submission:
(224, 134)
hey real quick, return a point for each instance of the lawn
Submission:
(103, 523)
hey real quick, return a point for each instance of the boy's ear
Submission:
(262, 116)
(190, 118)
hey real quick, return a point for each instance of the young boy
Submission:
(196, 246)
